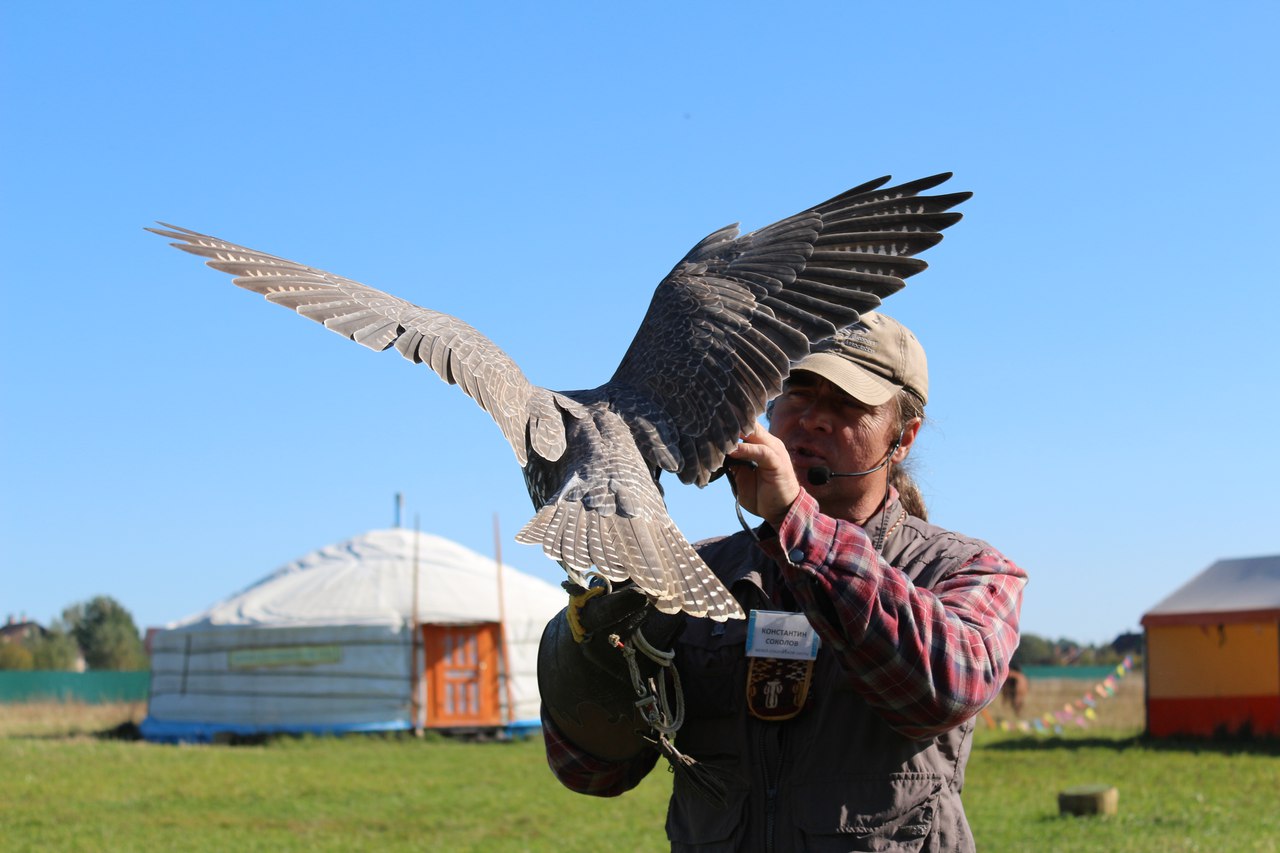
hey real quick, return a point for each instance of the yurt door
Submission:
(462, 675)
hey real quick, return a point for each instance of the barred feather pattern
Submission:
(617, 524)
(719, 337)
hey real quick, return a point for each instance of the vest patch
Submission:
(776, 688)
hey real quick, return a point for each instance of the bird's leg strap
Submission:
(655, 707)
(651, 694)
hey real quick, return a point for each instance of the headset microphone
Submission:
(820, 475)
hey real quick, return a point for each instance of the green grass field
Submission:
(60, 790)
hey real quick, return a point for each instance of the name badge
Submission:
(776, 634)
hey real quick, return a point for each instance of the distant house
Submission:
(16, 630)
(22, 630)
(1213, 653)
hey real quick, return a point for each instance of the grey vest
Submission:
(835, 777)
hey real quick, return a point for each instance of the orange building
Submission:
(1213, 653)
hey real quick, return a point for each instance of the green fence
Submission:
(1083, 673)
(89, 687)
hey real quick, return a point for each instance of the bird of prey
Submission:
(718, 340)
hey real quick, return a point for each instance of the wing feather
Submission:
(457, 352)
(779, 289)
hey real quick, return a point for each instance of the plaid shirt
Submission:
(582, 772)
(926, 659)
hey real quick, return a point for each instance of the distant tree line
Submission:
(103, 632)
(1035, 650)
(100, 630)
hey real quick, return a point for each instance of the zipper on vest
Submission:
(769, 744)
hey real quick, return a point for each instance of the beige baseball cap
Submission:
(872, 360)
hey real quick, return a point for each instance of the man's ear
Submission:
(908, 439)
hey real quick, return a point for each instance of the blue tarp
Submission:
(161, 731)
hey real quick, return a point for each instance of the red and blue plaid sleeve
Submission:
(926, 659)
(584, 773)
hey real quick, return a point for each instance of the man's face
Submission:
(821, 425)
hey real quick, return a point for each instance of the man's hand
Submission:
(770, 488)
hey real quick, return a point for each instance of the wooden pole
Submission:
(415, 701)
(502, 626)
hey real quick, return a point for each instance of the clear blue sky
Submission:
(1101, 327)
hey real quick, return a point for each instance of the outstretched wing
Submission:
(527, 414)
(728, 321)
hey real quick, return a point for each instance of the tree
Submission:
(106, 633)
(15, 656)
(1033, 651)
(54, 650)
(1041, 651)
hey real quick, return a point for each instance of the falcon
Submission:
(719, 337)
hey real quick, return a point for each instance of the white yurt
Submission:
(329, 643)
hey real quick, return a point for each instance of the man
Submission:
(861, 745)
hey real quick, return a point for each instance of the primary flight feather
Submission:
(718, 340)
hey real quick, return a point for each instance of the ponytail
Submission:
(908, 493)
(910, 407)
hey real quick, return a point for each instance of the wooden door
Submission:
(461, 675)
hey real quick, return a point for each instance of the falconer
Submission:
(840, 715)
